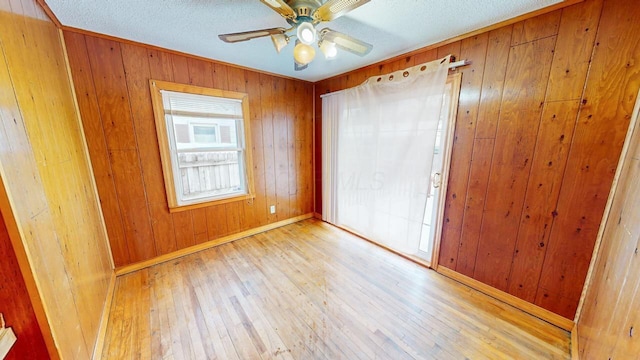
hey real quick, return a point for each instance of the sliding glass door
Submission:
(379, 142)
(434, 209)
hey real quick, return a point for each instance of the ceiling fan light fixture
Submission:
(306, 33)
(279, 41)
(303, 16)
(303, 53)
(329, 49)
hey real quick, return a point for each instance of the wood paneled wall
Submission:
(542, 117)
(16, 306)
(611, 312)
(51, 194)
(112, 84)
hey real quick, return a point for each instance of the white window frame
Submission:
(193, 125)
(169, 151)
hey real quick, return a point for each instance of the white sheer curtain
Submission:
(378, 142)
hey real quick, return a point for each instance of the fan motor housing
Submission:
(303, 11)
(304, 8)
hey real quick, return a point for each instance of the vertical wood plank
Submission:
(96, 144)
(133, 204)
(576, 36)
(525, 87)
(180, 68)
(426, 56)
(305, 157)
(385, 68)
(474, 205)
(257, 143)
(138, 73)
(486, 124)
(217, 221)
(475, 50)
(281, 147)
(535, 28)
(199, 217)
(451, 228)
(268, 149)
(160, 68)
(160, 65)
(627, 346)
(493, 82)
(292, 87)
(355, 78)
(137, 76)
(220, 76)
(113, 100)
(183, 227)
(608, 101)
(449, 49)
(200, 72)
(111, 92)
(163, 230)
(234, 217)
(201, 237)
(319, 89)
(549, 161)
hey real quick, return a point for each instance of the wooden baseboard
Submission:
(104, 320)
(123, 270)
(516, 302)
(317, 216)
(575, 351)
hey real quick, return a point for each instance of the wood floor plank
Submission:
(312, 291)
(316, 313)
(222, 344)
(400, 338)
(290, 302)
(273, 306)
(401, 321)
(267, 336)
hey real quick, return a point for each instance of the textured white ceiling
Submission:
(191, 26)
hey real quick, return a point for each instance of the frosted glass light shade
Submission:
(329, 49)
(303, 53)
(306, 33)
(279, 41)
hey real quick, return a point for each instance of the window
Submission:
(205, 133)
(203, 136)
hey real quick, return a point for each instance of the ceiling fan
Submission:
(303, 16)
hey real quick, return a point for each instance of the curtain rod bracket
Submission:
(457, 64)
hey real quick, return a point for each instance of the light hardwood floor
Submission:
(312, 291)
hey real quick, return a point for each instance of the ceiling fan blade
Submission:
(335, 8)
(248, 35)
(346, 42)
(281, 7)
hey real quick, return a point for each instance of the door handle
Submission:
(436, 180)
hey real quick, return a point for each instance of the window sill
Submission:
(180, 208)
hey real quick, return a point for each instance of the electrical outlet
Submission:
(272, 209)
